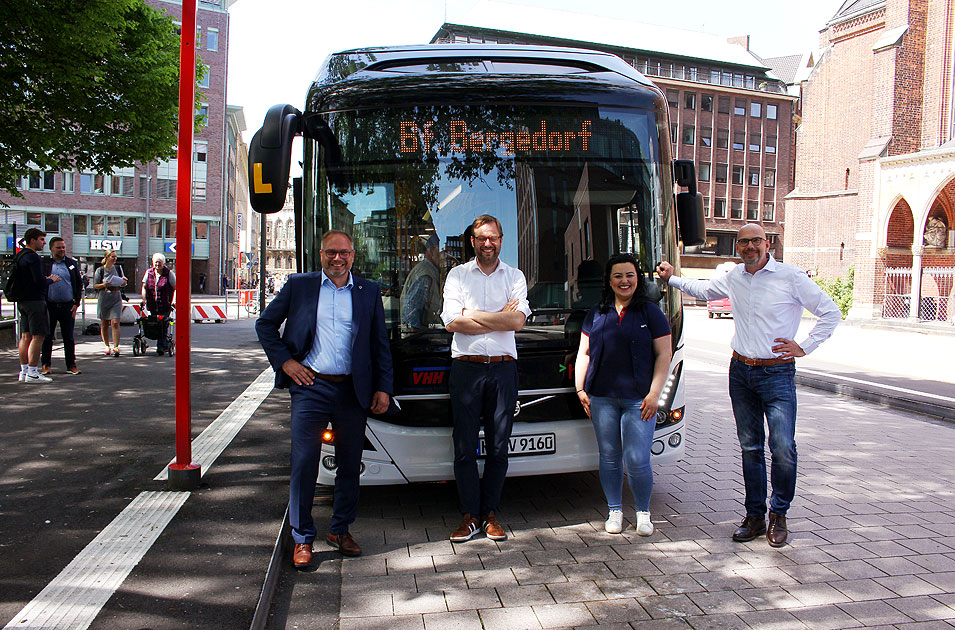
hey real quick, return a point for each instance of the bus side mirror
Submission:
(270, 157)
(689, 205)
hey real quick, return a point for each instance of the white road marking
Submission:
(73, 599)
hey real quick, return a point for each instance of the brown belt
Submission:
(480, 358)
(760, 362)
(333, 378)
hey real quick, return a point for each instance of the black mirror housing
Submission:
(689, 205)
(270, 158)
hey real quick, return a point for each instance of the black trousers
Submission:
(60, 313)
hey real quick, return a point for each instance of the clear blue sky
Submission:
(277, 46)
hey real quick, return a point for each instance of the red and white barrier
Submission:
(208, 313)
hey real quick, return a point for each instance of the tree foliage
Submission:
(840, 290)
(86, 84)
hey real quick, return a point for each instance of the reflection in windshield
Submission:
(570, 185)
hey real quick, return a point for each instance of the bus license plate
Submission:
(531, 444)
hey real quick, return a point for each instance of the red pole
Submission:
(184, 474)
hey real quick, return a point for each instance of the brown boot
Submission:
(777, 532)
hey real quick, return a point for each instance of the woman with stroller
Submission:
(621, 367)
(109, 281)
(159, 293)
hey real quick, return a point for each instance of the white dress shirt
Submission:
(767, 305)
(467, 286)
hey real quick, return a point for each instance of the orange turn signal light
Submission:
(328, 436)
(676, 414)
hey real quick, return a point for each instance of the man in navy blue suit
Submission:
(335, 359)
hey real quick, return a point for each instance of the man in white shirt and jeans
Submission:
(768, 298)
(485, 303)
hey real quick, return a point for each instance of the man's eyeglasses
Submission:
(335, 253)
(756, 240)
(485, 239)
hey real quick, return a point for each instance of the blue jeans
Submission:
(769, 392)
(623, 441)
(313, 407)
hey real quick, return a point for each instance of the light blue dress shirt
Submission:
(331, 350)
(61, 291)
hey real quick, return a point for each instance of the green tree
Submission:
(840, 290)
(86, 84)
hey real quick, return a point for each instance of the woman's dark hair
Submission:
(607, 296)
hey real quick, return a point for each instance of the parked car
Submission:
(718, 308)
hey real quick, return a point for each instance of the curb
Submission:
(923, 407)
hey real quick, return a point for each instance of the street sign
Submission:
(170, 247)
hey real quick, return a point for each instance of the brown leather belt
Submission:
(333, 378)
(760, 362)
(480, 358)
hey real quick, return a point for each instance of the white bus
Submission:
(405, 146)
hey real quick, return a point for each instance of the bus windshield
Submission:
(571, 185)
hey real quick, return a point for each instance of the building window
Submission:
(80, 224)
(165, 188)
(736, 209)
(202, 231)
(755, 109)
(689, 134)
(737, 174)
(92, 184)
(130, 226)
(740, 109)
(206, 76)
(706, 103)
(721, 170)
(155, 228)
(706, 207)
(98, 226)
(739, 137)
(40, 180)
(770, 144)
(689, 100)
(51, 223)
(201, 151)
(768, 211)
(212, 39)
(68, 182)
(771, 112)
(673, 98)
(722, 138)
(724, 105)
(769, 178)
(121, 185)
(754, 142)
(706, 136)
(114, 226)
(169, 228)
(719, 209)
(34, 218)
(752, 210)
(704, 175)
(754, 177)
(674, 133)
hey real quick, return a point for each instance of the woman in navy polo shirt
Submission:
(621, 368)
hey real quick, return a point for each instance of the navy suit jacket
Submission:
(297, 306)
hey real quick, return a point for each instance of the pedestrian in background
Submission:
(334, 357)
(485, 303)
(768, 299)
(31, 305)
(109, 281)
(62, 301)
(622, 365)
(159, 294)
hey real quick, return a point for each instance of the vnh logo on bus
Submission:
(429, 376)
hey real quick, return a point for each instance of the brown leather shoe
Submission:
(73, 370)
(345, 544)
(302, 555)
(492, 529)
(466, 530)
(750, 528)
(777, 532)
(45, 369)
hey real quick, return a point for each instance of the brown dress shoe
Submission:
(777, 533)
(492, 529)
(466, 530)
(45, 369)
(302, 555)
(750, 528)
(345, 544)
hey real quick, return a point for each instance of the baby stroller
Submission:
(151, 327)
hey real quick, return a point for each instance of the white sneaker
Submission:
(22, 377)
(37, 378)
(614, 524)
(644, 526)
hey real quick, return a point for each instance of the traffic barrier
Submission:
(131, 314)
(208, 313)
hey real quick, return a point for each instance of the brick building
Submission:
(133, 210)
(729, 112)
(875, 167)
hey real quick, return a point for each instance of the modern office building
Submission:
(875, 166)
(133, 210)
(728, 112)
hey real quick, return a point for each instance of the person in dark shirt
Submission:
(34, 319)
(62, 301)
(621, 367)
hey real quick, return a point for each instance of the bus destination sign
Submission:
(458, 138)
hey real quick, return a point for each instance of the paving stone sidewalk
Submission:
(872, 542)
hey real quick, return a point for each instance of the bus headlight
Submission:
(657, 447)
(329, 462)
(675, 440)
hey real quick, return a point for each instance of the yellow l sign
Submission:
(258, 186)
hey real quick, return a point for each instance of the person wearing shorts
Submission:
(31, 306)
